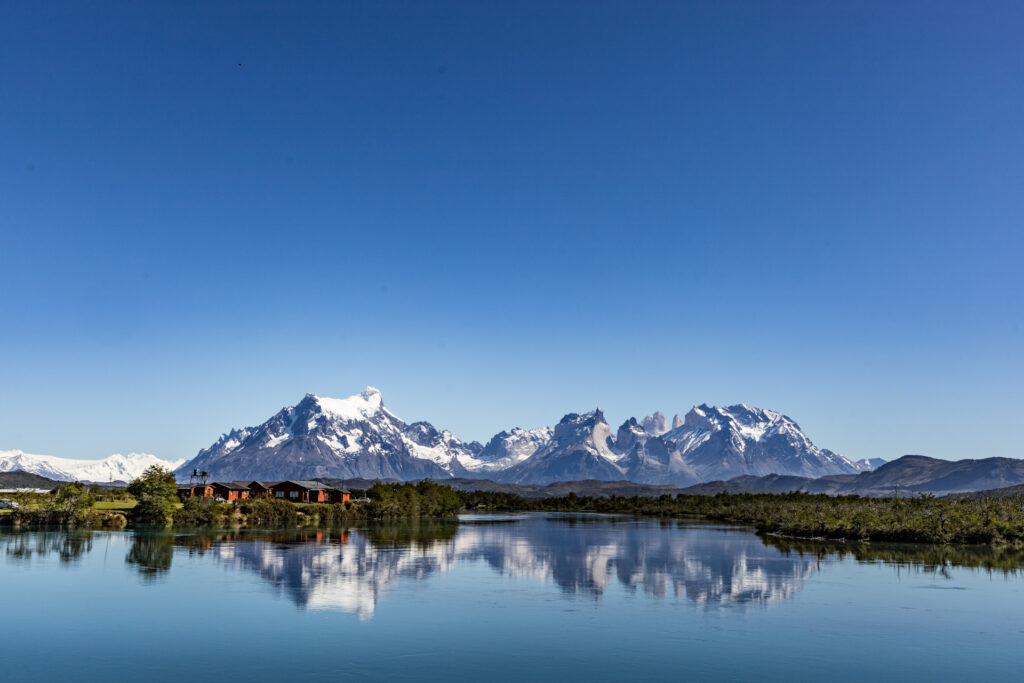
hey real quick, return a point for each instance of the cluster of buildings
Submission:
(296, 491)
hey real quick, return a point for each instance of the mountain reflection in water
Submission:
(350, 570)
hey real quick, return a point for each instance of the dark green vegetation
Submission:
(423, 499)
(387, 502)
(69, 504)
(156, 493)
(923, 519)
(930, 557)
(151, 500)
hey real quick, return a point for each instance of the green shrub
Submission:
(269, 512)
(201, 512)
(157, 496)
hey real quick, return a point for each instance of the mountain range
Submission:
(735, 449)
(709, 449)
(910, 475)
(358, 437)
(115, 468)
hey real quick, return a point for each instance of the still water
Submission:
(533, 597)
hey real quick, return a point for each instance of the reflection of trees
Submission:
(924, 557)
(151, 553)
(67, 545)
(423, 533)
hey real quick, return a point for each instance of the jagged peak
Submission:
(596, 415)
(748, 421)
(698, 416)
(655, 424)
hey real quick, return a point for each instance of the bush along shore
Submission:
(152, 501)
(924, 519)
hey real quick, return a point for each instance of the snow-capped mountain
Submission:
(359, 437)
(719, 443)
(508, 448)
(116, 467)
(581, 447)
(329, 437)
(709, 444)
(869, 464)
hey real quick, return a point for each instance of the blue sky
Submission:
(501, 212)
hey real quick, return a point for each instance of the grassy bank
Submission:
(120, 505)
(802, 515)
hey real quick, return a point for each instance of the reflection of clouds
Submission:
(709, 567)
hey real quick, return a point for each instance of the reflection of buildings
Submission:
(708, 566)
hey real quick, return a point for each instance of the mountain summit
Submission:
(329, 437)
(359, 437)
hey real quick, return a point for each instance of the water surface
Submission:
(505, 598)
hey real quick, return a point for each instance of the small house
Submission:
(303, 491)
(257, 489)
(186, 491)
(230, 490)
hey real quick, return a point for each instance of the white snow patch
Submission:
(116, 467)
(355, 407)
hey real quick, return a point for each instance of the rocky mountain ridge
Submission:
(359, 437)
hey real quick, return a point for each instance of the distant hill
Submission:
(586, 487)
(1006, 492)
(907, 476)
(25, 480)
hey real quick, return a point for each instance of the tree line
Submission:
(922, 519)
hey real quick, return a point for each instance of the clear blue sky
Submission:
(501, 212)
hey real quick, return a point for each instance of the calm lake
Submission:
(530, 597)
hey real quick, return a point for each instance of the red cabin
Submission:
(230, 491)
(304, 491)
(257, 489)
